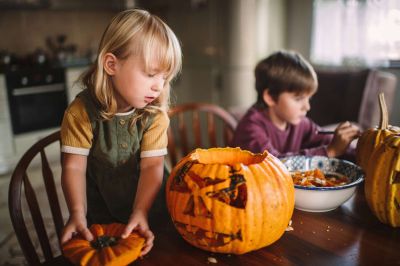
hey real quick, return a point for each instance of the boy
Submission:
(277, 122)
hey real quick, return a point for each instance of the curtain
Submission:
(356, 32)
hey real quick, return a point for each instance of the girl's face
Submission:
(135, 87)
(289, 108)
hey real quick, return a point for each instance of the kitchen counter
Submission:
(349, 235)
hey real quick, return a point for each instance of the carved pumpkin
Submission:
(373, 137)
(382, 182)
(107, 248)
(230, 201)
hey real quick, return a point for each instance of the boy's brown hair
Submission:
(284, 71)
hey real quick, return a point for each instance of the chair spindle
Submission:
(51, 190)
(196, 129)
(37, 219)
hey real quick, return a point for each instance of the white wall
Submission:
(299, 19)
(222, 41)
(394, 118)
(299, 26)
(24, 31)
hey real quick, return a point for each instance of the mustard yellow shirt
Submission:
(77, 134)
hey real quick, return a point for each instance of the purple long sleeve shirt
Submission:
(256, 133)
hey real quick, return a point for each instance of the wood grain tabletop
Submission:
(349, 235)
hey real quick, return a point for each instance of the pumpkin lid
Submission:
(227, 156)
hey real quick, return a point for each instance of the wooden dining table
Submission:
(348, 235)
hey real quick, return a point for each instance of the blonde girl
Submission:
(113, 134)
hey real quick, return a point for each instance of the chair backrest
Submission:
(378, 82)
(198, 125)
(351, 94)
(29, 205)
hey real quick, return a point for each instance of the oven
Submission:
(37, 99)
(32, 105)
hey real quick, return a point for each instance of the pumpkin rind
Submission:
(228, 200)
(382, 182)
(81, 252)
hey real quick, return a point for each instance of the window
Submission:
(356, 32)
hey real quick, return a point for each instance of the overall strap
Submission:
(92, 108)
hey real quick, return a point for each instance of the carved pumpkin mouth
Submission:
(227, 156)
(207, 238)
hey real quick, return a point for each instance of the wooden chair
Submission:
(198, 125)
(31, 227)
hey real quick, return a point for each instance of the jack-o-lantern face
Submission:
(235, 194)
(222, 199)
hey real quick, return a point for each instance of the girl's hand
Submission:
(345, 133)
(138, 221)
(76, 225)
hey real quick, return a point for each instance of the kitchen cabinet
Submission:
(72, 75)
(67, 4)
(6, 143)
(91, 4)
(23, 4)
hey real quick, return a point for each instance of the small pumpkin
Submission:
(373, 137)
(228, 200)
(382, 182)
(107, 248)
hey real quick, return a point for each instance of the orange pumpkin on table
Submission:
(382, 182)
(107, 248)
(378, 153)
(228, 200)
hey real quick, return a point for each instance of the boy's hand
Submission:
(138, 221)
(76, 225)
(345, 133)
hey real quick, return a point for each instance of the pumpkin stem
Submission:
(384, 119)
(104, 241)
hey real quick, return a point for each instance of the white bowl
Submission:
(322, 199)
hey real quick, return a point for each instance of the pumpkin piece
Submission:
(371, 138)
(228, 200)
(382, 182)
(106, 249)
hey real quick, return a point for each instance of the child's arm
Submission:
(73, 181)
(344, 134)
(150, 181)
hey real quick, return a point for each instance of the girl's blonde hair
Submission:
(134, 32)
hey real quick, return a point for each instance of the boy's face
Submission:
(289, 108)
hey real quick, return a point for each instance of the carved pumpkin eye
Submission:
(216, 195)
